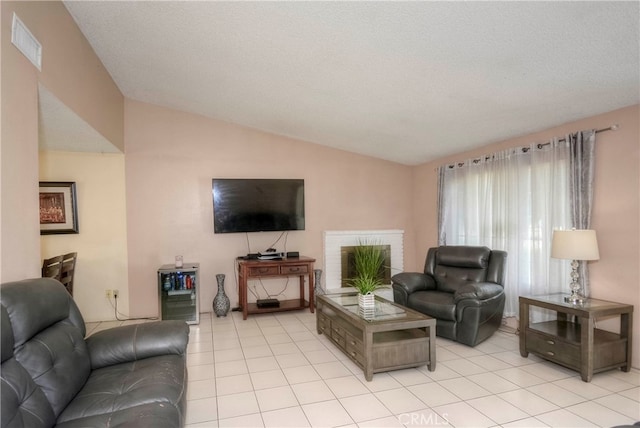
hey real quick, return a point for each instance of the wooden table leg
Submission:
(626, 323)
(586, 348)
(432, 348)
(524, 325)
(311, 288)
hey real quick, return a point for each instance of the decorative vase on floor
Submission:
(317, 284)
(221, 303)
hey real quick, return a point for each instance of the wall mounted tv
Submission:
(257, 205)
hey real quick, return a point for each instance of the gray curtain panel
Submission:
(442, 239)
(582, 163)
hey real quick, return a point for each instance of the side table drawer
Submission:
(294, 269)
(552, 348)
(263, 271)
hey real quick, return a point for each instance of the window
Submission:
(511, 201)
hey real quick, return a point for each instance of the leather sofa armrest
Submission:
(135, 342)
(477, 291)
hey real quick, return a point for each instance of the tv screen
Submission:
(257, 205)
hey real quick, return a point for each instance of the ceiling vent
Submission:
(22, 38)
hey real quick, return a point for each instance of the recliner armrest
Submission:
(135, 342)
(413, 281)
(477, 291)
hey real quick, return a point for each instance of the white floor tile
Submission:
(262, 364)
(380, 382)
(433, 394)
(556, 395)
(268, 379)
(253, 421)
(493, 383)
(364, 407)
(291, 360)
(202, 372)
(520, 377)
(201, 410)
(312, 392)
(463, 415)
(326, 414)
(600, 415)
(231, 368)
(525, 423)
(400, 400)
(564, 418)
(199, 359)
(633, 393)
(621, 404)
(528, 402)
(388, 422)
(301, 374)
(224, 355)
(276, 398)
(233, 384)
(464, 367)
(292, 417)
(284, 348)
(497, 409)
(408, 377)
(331, 369)
(256, 351)
(244, 403)
(346, 386)
(201, 389)
(489, 363)
(583, 389)
(464, 388)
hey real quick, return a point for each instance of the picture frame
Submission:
(58, 207)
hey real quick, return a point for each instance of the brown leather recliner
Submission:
(462, 287)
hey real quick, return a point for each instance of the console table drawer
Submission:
(553, 348)
(294, 269)
(263, 270)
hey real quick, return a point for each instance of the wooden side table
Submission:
(255, 269)
(577, 344)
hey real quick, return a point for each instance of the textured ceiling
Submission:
(404, 81)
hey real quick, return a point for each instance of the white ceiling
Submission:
(404, 81)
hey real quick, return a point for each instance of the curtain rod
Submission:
(613, 127)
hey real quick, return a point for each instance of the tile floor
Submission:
(274, 370)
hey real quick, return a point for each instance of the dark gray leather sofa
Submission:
(130, 376)
(462, 287)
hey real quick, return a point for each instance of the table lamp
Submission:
(574, 245)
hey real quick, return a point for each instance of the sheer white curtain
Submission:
(512, 201)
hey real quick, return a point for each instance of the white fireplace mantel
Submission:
(334, 240)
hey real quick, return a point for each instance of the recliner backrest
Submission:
(453, 266)
(48, 333)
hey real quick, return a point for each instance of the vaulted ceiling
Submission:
(404, 81)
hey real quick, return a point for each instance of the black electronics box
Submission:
(253, 256)
(293, 254)
(268, 303)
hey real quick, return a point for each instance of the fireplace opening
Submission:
(348, 265)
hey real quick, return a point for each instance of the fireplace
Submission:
(348, 269)
(334, 240)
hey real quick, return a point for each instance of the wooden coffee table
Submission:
(394, 338)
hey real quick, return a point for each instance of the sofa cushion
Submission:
(50, 346)
(110, 389)
(23, 402)
(151, 415)
(436, 304)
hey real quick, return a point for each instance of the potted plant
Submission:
(368, 259)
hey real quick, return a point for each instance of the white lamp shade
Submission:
(575, 245)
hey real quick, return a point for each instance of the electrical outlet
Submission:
(108, 293)
(116, 293)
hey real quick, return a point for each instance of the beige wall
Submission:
(616, 210)
(73, 73)
(171, 158)
(102, 242)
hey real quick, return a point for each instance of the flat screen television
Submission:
(257, 205)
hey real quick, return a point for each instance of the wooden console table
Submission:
(255, 269)
(577, 345)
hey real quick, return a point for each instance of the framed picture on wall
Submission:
(58, 207)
